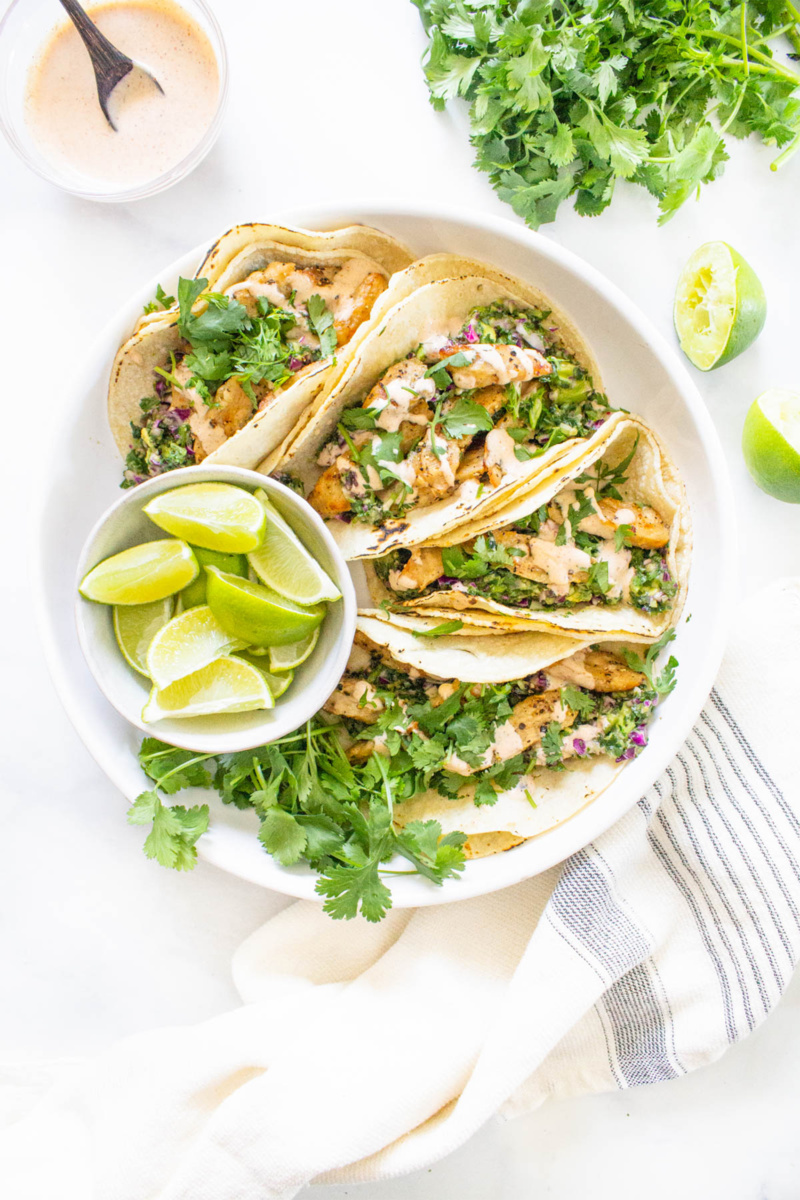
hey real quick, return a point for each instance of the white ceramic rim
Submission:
(272, 723)
(560, 842)
(167, 179)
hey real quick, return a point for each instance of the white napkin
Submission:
(362, 1052)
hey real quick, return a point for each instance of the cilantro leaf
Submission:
(321, 320)
(466, 418)
(440, 630)
(582, 703)
(438, 372)
(349, 889)
(223, 315)
(282, 836)
(552, 741)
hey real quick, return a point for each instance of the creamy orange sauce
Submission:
(154, 131)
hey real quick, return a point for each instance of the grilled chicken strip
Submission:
(434, 472)
(424, 566)
(648, 531)
(597, 670)
(495, 364)
(355, 698)
(349, 316)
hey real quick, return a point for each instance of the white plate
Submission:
(640, 372)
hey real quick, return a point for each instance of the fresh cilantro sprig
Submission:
(321, 321)
(565, 100)
(662, 682)
(175, 829)
(161, 301)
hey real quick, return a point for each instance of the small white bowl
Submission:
(126, 524)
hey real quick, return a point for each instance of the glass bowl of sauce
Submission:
(48, 97)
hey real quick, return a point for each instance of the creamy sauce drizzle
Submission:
(154, 131)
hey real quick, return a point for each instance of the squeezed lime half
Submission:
(720, 306)
(771, 443)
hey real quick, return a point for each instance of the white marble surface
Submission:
(97, 942)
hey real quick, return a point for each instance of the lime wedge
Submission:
(234, 564)
(286, 658)
(142, 574)
(257, 614)
(277, 684)
(771, 443)
(283, 563)
(217, 516)
(135, 626)
(187, 643)
(227, 685)
(720, 306)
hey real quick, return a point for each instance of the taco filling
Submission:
(249, 343)
(586, 546)
(441, 731)
(500, 391)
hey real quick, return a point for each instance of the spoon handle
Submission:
(110, 65)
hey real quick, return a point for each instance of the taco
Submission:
(503, 758)
(601, 550)
(467, 391)
(226, 371)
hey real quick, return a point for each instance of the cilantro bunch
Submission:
(567, 98)
(313, 806)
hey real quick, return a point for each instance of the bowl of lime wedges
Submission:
(214, 609)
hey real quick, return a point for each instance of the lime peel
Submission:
(771, 443)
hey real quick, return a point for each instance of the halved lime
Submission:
(234, 564)
(227, 685)
(257, 614)
(217, 516)
(277, 683)
(720, 306)
(771, 443)
(142, 573)
(135, 626)
(283, 563)
(286, 658)
(187, 643)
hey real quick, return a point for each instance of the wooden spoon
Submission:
(110, 65)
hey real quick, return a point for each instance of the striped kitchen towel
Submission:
(362, 1052)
